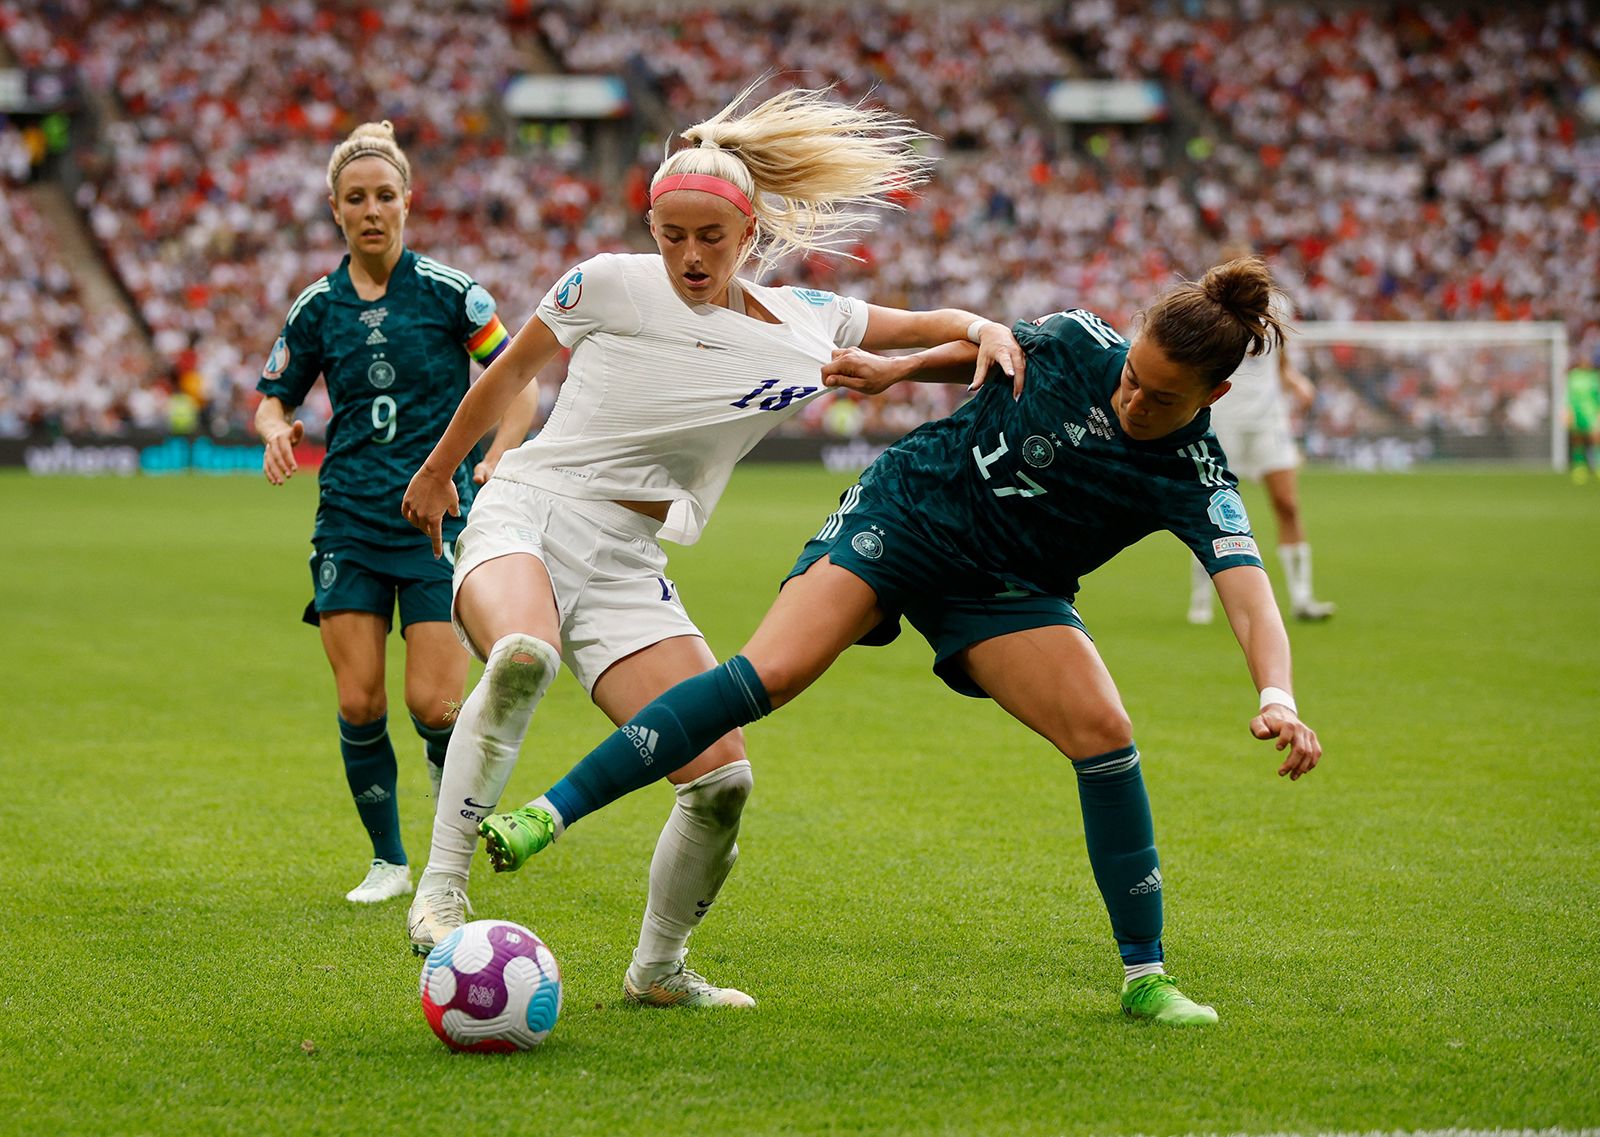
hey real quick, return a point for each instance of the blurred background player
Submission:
(1252, 424)
(678, 368)
(978, 529)
(392, 333)
(1583, 418)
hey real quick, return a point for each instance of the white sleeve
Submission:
(592, 297)
(844, 316)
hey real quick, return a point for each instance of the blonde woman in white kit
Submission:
(678, 368)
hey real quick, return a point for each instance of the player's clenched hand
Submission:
(277, 459)
(996, 344)
(428, 498)
(862, 371)
(1278, 721)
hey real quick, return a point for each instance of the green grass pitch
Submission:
(1404, 940)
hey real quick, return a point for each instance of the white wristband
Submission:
(1277, 695)
(975, 329)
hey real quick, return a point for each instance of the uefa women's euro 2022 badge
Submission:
(1227, 512)
(277, 360)
(570, 291)
(479, 305)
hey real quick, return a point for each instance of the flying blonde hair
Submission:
(369, 140)
(812, 168)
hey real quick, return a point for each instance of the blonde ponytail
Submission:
(812, 168)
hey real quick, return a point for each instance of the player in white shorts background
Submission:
(1252, 423)
(678, 368)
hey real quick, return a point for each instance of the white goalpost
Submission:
(1392, 394)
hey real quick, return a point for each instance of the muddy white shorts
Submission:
(613, 594)
(1261, 448)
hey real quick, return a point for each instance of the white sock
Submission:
(555, 815)
(1200, 590)
(1296, 561)
(693, 857)
(483, 751)
(1132, 971)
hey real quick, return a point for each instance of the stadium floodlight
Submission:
(1391, 394)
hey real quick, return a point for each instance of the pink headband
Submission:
(706, 183)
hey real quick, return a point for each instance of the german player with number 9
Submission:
(678, 368)
(393, 334)
(977, 528)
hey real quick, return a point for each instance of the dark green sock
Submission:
(436, 739)
(666, 734)
(369, 767)
(1122, 850)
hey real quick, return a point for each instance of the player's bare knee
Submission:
(361, 708)
(435, 712)
(1109, 729)
(782, 680)
(720, 796)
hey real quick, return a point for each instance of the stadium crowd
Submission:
(47, 330)
(1393, 163)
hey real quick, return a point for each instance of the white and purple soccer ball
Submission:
(491, 985)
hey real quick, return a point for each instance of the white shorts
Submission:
(1258, 449)
(613, 595)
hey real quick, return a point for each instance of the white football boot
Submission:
(383, 882)
(683, 988)
(434, 914)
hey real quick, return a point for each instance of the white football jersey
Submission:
(1256, 400)
(661, 397)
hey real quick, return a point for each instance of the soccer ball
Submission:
(491, 985)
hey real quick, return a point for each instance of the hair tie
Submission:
(710, 144)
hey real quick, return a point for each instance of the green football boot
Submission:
(511, 838)
(1157, 997)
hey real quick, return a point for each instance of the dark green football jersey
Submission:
(1045, 489)
(396, 369)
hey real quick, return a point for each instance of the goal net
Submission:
(1394, 394)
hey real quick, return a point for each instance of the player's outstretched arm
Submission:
(859, 370)
(1246, 596)
(281, 437)
(893, 328)
(432, 492)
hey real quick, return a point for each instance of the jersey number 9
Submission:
(385, 419)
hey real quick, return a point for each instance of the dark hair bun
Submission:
(1243, 289)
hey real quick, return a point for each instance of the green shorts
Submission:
(349, 575)
(952, 602)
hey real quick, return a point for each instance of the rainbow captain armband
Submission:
(488, 341)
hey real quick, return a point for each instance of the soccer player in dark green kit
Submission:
(393, 335)
(977, 529)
